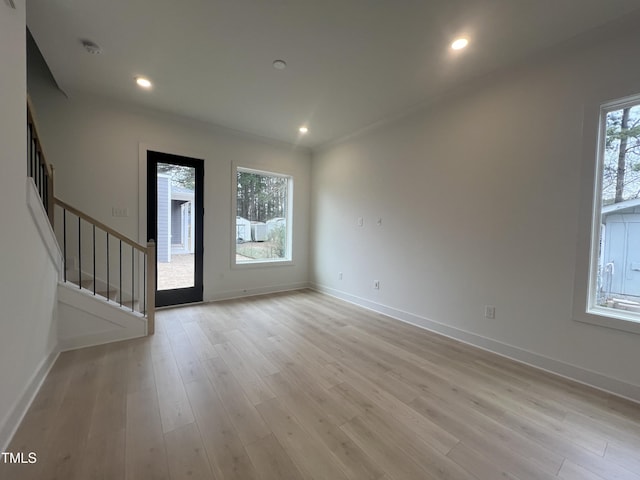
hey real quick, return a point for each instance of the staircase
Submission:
(106, 289)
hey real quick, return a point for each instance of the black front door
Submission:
(174, 221)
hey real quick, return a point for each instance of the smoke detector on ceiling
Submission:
(91, 47)
(279, 64)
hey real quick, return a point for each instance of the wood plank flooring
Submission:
(303, 386)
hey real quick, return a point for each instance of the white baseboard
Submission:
(12, 421)
(566, 370)
(95, 339)
(250, 292)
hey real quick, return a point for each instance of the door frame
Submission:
(152, 158)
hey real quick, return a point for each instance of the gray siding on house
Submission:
(164, 220)
(176, 222)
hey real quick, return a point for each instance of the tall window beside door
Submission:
(263, 229)
(615, 243)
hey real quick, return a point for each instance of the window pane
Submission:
(618, 252)
(176, 227)
(262, 212)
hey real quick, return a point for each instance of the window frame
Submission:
(270, 262)
(585, 310)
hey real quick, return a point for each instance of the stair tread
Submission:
(112, 294)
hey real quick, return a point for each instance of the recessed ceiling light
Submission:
(143, 82)
(459, 43)
(303, 130)
(279, 64)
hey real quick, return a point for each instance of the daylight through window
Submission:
(615, 247)
(263, 217)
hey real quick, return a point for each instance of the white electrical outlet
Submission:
(360, 221)
(339, 275)
(376, 284)
(489, 311)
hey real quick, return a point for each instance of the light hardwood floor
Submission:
(303, 386)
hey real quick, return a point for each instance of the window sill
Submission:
(610, 318)
(262, 263)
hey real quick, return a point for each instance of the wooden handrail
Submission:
(100, 225)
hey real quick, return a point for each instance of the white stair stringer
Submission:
(85, 320)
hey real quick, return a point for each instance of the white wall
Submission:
(27, 274)
(479, 196)
(96, 144)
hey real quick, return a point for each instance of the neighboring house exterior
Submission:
(620, 269)
(175, 222)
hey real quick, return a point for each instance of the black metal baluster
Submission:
(35, 162)
(120, 272)
(64, 241)
(94, 259)
(79, 252)
(132, 276)
(32, 160)
(45, 198)
(29, 140)
(108, 281)
(28, 150)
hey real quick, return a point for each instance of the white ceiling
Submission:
(351, 63)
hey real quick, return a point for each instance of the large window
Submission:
(263, 217)
(615, 245)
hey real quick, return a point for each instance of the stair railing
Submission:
(37, 166)
(96, 257)
(105, 262)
